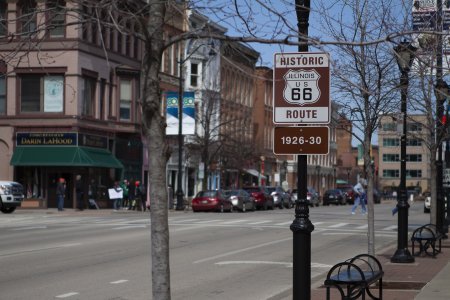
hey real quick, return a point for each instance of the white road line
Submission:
(390, 228)
(118, 281)
(209, 221)
(318, 223)
(365, 226)
(187, 220)
(241, 250)
(234, 221)
(129, 227)
(31, 227)
(284, 223)
(343, 233)
(286, 264)
(338, 225)
(259, 222)
(66, 295)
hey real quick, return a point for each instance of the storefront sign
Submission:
(95, 141)
(46, 139)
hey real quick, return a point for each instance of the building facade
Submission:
(418, 157)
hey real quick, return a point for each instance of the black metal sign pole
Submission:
(302, 226)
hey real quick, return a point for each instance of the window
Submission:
(389, 126)
(389, 173)
(2, 94)
(194, 74)
(56, 18)
(391, 142)
(414, 127)
(3, 18)
(88, 104)
(413, 142)
(414, 157)
(391, 157)
(27, 18)
(125, 99)
(39, 93)
(413, 173)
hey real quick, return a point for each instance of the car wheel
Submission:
(8, 210)
(244, 208)
(265, 206)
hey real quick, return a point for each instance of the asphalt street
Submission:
(106, 255)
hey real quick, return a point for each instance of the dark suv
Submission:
(263, 199)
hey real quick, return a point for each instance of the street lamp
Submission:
(404, 53)
(441, 91)
(179, 192)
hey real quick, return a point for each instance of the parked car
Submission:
(334, 196)
(241, 200)
(312, 197)
(11, 196)
(262, 197)
(347, 189)
(281, 199)
(212, 200)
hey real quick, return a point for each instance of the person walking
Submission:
(125, 187)
(60, 193)
(359, 197)
(79, 192)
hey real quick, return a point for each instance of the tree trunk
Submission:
(158, 151)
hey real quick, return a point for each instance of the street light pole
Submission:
(179, 192)
(405, 56)
(302, 227)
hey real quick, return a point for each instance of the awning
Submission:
(64, 156)
(255, 173)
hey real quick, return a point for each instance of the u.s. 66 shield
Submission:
(302, 87)
(301, 93)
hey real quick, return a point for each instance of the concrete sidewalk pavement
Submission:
(427, 278)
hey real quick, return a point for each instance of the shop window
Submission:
(3, 18)
(88, 107)
(27, 17)
(125, 99)
(41, 93)
(56, 18)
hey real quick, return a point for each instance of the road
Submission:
(105, 255)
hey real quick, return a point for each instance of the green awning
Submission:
(64, 156)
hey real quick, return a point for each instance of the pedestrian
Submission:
(61, 193)
(79, 192)
(92, 195)
(125, 186)
(117, 195)
(131, 195)
(359, 197)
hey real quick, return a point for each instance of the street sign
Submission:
(446, 178)
(301, 140)
(301, 88)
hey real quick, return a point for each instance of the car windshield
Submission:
(207, 194)
(234, 193)
(271, 189)
(334, 191)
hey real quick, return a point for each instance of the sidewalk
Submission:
(426, 279)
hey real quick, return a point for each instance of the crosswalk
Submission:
(20, 223)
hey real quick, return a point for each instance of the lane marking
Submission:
(362, 227)
(241, 250)
(30, 227)
(234, 222)
(25, 251)
(186, 220)
(338, 225)
(209, 221)
(129, 227)
(390, 228)
(259, 262)
(318, 223)
(259, 222)
(284, 223)
(67, 295)
(118, 281)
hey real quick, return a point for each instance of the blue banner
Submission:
(188, 126)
